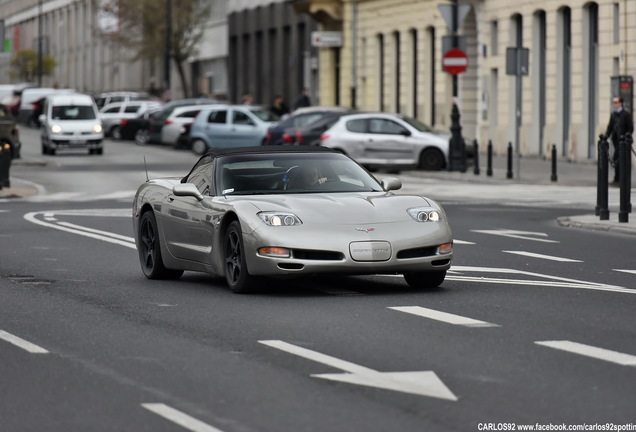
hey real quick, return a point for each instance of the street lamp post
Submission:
(457, 147)
(39, 43)
(168, 48)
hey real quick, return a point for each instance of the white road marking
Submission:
(182, 419)
(109, 237)
(455, 241)
(591, 351)
(19, 342)
(518, 234)
(423, 383)
(443, 316)
(625, 271)
(541, 256)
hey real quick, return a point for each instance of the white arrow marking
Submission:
(547, 257)
(443, 316)
(19, 342)
(517, 234)
(179, 418)
(424, 383)
(592, 351)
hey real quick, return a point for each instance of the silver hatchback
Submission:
(383, 140)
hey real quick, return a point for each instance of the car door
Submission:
(216, 128)
(388, 141)
(188, 223)
(245, 129)
(110, 115)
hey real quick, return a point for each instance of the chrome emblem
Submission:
(365, 229)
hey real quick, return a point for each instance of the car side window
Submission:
(201, 176)
(217, 116)
(385, 126)
(132, 108)
(111, 110)
(240, 118)
(189, 114)
(357, 125)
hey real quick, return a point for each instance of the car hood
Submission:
(76, 125)
(346, 208)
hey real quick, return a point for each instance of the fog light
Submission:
(277, 252)
(445, 248)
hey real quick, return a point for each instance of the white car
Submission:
(393, 141)
(174, 123)
(113, 113)
(71, 121)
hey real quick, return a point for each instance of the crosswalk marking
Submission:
(541, 256)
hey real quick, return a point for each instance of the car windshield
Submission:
(265, 115)
(417, 124)
(292, 173)
(73, 112)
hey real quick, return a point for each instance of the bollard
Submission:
(601, 185)
(1, 166)
(5, 165)
(624, 158)
(475, 157)
(554, 176)
(489, 159)
(509, 173)
(628, 171)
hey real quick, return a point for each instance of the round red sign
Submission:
(455, 61)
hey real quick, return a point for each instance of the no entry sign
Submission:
(455, 61)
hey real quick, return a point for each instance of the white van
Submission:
(71, 121)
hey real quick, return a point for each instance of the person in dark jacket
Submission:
(303, 99)
(279, 107)
(620, 123)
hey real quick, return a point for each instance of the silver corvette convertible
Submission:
(280, 211)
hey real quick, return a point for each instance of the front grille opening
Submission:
(417, 252)
(317, 255)
(442, 262)
(285, 266)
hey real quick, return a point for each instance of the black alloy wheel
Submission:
(150, 250)
(424, 280)
(238, 278)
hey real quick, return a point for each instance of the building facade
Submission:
(392, 51)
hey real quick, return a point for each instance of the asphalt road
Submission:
(534, 325)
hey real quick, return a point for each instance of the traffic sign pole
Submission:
(457, 146)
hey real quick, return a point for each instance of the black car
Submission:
(9, 132)
(284, 132)
(128, 128)
(151, 133)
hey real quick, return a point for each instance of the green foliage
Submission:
(24, 65)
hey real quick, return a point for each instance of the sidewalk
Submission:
(574, 181)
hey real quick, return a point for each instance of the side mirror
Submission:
(391, 183)
(187, 189)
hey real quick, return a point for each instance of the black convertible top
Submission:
(268, 149)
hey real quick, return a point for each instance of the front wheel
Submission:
(142, 137)
(431, 159)
(199, 147)
(425, 279)
(116, 133)
(150, 251)
(236, 274)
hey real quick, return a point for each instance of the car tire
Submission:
(424, 280)
(236, 274)
(116, 133)
(150, 250)
(431, 159)
(199, 147)
(142, 137)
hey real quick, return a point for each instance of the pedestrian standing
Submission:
(303, 99)
(279, 107)
(620, 124)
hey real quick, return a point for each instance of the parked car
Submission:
(230, 126)
(9, 132)
(112, 114)
(381, 140)
(284, 211)
(309, 134)
(71, 121)
(103, 99)
(173, 125)
(128, 127)
(183, 140)
(32, 95)
(284, 132)
(152, 132)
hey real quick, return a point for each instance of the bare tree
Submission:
(148, 27)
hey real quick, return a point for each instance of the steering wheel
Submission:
(286, 176)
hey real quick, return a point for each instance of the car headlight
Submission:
(280, 219)
(97, 128)
(56, 129)
(425, 214)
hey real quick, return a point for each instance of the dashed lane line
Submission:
(21, 343)
(180, 418)
(591, 351)
(541, 256)
(443, 316)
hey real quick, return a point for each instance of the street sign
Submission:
(455, 61)
(324, 39)
(447, 13)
